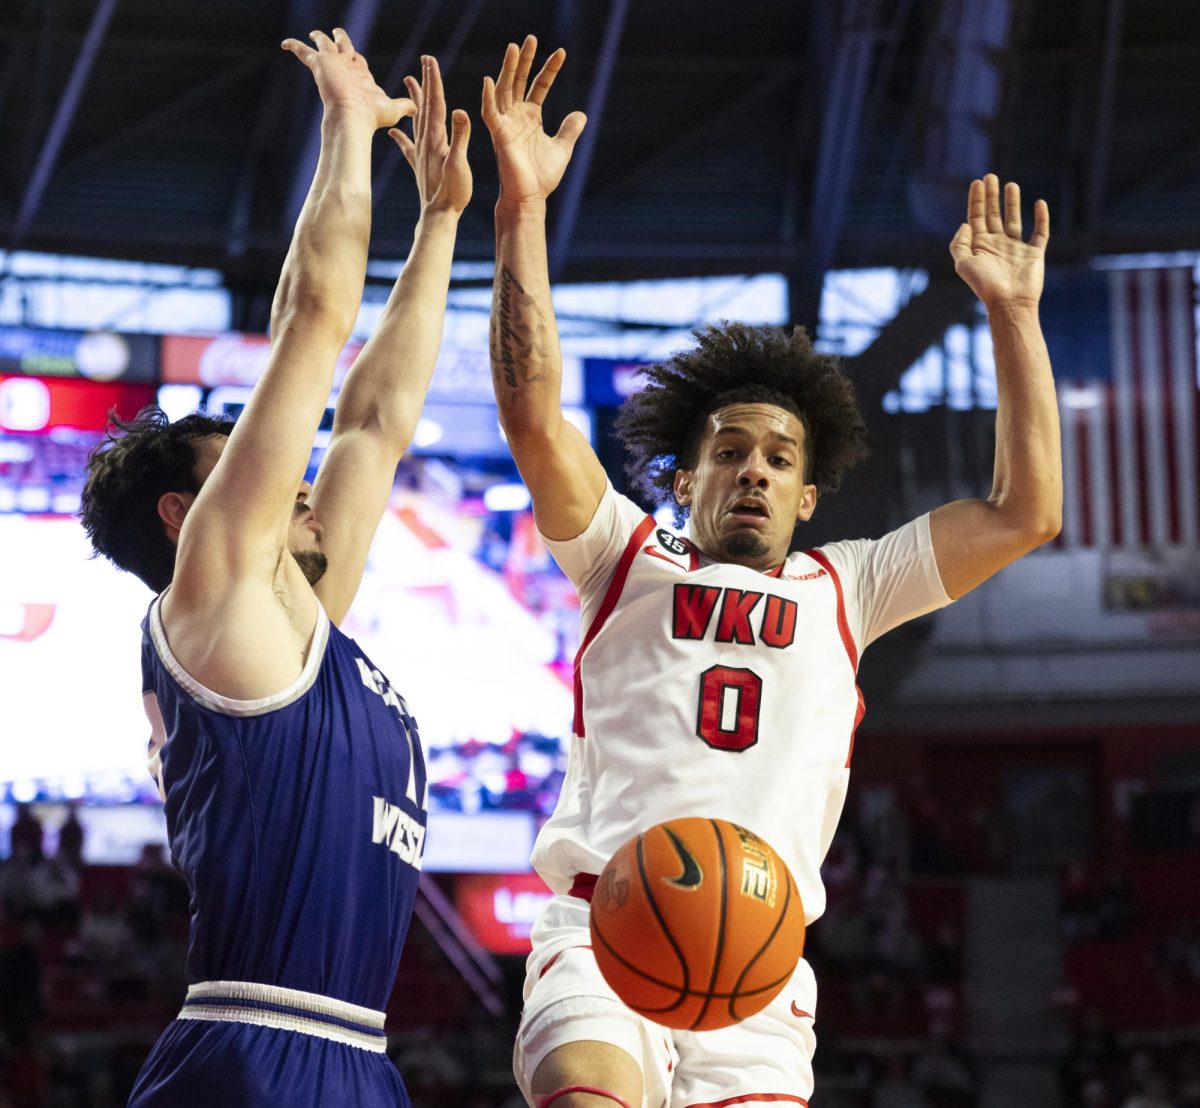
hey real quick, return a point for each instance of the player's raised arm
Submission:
(380, 402)
(237, 529)
(564, 476)
(973, 539)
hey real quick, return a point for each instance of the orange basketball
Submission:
(696, 923)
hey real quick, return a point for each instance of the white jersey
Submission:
(704, 688)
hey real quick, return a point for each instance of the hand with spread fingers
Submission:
(988, 251)
(344, 81)
(530, 161)
(443, 175)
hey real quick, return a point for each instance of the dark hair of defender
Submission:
(127, 473)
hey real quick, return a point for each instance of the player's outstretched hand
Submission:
(344, 81)
(988, 251)
(443, 175)
(531, 162)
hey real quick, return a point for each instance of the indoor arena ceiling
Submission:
(763, 135)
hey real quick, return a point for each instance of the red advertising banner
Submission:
(230, 359)
(35, 404)
(500, 908)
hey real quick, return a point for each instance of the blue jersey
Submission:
(298, 820)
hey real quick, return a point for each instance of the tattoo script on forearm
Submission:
(517, 332)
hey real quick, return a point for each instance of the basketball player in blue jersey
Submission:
(290, 768)
(716, 675)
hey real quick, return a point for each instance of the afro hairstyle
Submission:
(662, 425)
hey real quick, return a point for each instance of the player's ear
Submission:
(683, 487)
(172, 510)
(808, 503)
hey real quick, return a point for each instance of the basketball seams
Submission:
(736, 992)
(685, 987)
(723, 885)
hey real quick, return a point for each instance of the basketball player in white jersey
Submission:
(716, 674)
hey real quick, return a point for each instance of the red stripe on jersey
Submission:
(609, 603)
(847, 642)
(843, 624)
(754, 1098)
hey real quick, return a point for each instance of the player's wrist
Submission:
(440, 213)
(348, 114)
(1014, 309)
(520, 207)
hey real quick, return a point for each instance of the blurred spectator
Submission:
(1114, 906)
(883, 830)
(941, 1071)
(1092, 1060)
(1178, 954)
(894, 1089)
(929, 855)
(944, 960)
(16, 882)
(54, 892)
(20, 981)
(27, 834)
(105, 938)
(1095, 912)
(70, 840)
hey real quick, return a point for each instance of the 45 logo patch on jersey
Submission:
(673, 550)
(671, 543)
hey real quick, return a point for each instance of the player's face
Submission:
(304, 532)
(304, 537)
(748, 491)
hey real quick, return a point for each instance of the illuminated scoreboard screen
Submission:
(460, 605)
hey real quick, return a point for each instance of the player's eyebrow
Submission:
(737, 429)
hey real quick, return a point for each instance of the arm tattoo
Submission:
(517, 331)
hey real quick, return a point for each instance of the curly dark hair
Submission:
(127, 472)
(662, 426)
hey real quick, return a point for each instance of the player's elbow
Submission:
(312, 309)
(526, 428)
(1037, 526)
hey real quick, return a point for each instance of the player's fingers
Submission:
(402, 107)
(543, 81)
(524, 66)
(1012, 210)
(991, 203)
(460, 133)
(435, 96)
(960, 245)
(975, 212)
(504, 82)
(572, 127)
(415, 92)
(487, 106)
(406, 145)
(1041, 225)
(305, 53)
(342, 41)
(323, 42)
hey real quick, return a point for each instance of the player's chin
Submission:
(312, 563)
(743, 542)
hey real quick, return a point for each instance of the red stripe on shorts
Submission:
(754, 1098)
(584, 886)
